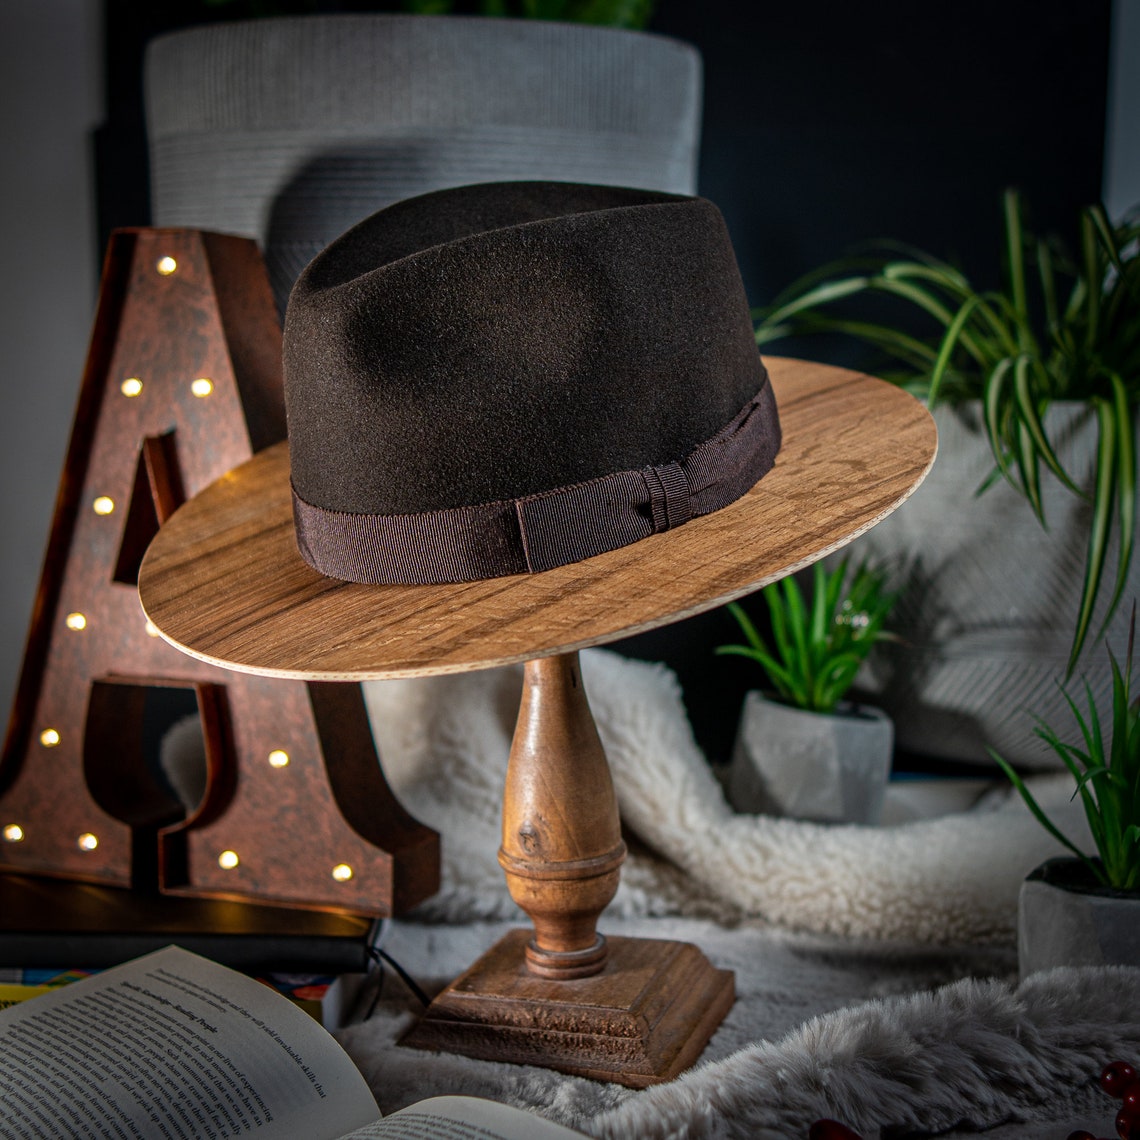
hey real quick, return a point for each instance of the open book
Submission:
(172, 1045)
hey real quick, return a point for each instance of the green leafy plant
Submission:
(818, 648)
(1059, 329)
(615, 13)
(1107, 775)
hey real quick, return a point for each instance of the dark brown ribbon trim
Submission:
(539, 532)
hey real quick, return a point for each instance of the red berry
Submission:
(831, 1130)
(1116, 1077)
(1127, 1125)
(1131, 1098)
(1081, 1134)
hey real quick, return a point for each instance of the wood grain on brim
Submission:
(224, 582)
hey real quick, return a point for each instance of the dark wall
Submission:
(826, 123)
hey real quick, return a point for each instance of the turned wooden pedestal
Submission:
(223, 581)
(630, 1010)
(644, 1019)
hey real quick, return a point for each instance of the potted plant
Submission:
(803, 750)
(1035, 388)
(1080, 910)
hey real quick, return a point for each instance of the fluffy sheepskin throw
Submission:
(972, 1055)
(444, 742)
(877, 1035)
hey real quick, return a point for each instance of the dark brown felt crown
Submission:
(507, 377)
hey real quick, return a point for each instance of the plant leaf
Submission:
(1015, 254)
(819, 606)
(797, 619)
(1028, 465)
(1042, 818)
(1093, 277)
(1103, 494)
(940, 274)
(821, 295)
(907, 348)
(746, 626)
(777, 674)
(779, 623)
(1125, 490)
(949, 343)
(993, 406)
(818, 648)
(1104, 231)
(1027, 407)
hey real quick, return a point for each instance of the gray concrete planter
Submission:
(1066, 919)
(827, 767)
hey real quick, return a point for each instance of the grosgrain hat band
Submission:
(539, 532)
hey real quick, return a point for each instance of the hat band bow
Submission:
(552, 528)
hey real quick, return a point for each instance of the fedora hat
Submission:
(580, 354)
(505, 378)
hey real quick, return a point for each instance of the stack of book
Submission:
(54, 932)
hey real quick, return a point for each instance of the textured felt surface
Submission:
(499, 340)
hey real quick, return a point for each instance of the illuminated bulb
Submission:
(166, 266)
(151, 629)
(103, 505)
(49, 738)
(76, 622)
(202, 386)
(13, 833)
(87, 842)
(131, 386)
(342, 872)
(279, 758)
(228, 860)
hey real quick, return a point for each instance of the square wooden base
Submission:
(641, 1021)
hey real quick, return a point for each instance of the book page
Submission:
(462, 1118)
(173, 1047)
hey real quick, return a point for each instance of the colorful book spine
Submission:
(332, 1000)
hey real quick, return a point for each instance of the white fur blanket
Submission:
(444, 743)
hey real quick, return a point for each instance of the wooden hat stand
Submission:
(223, 581)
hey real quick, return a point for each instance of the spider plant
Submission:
(1059, 329)
(818, 648)
(615, 13)
(1107, 776)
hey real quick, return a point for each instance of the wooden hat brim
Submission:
(223, 580)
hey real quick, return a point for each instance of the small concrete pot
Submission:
(1065, 918)
(825, 767)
